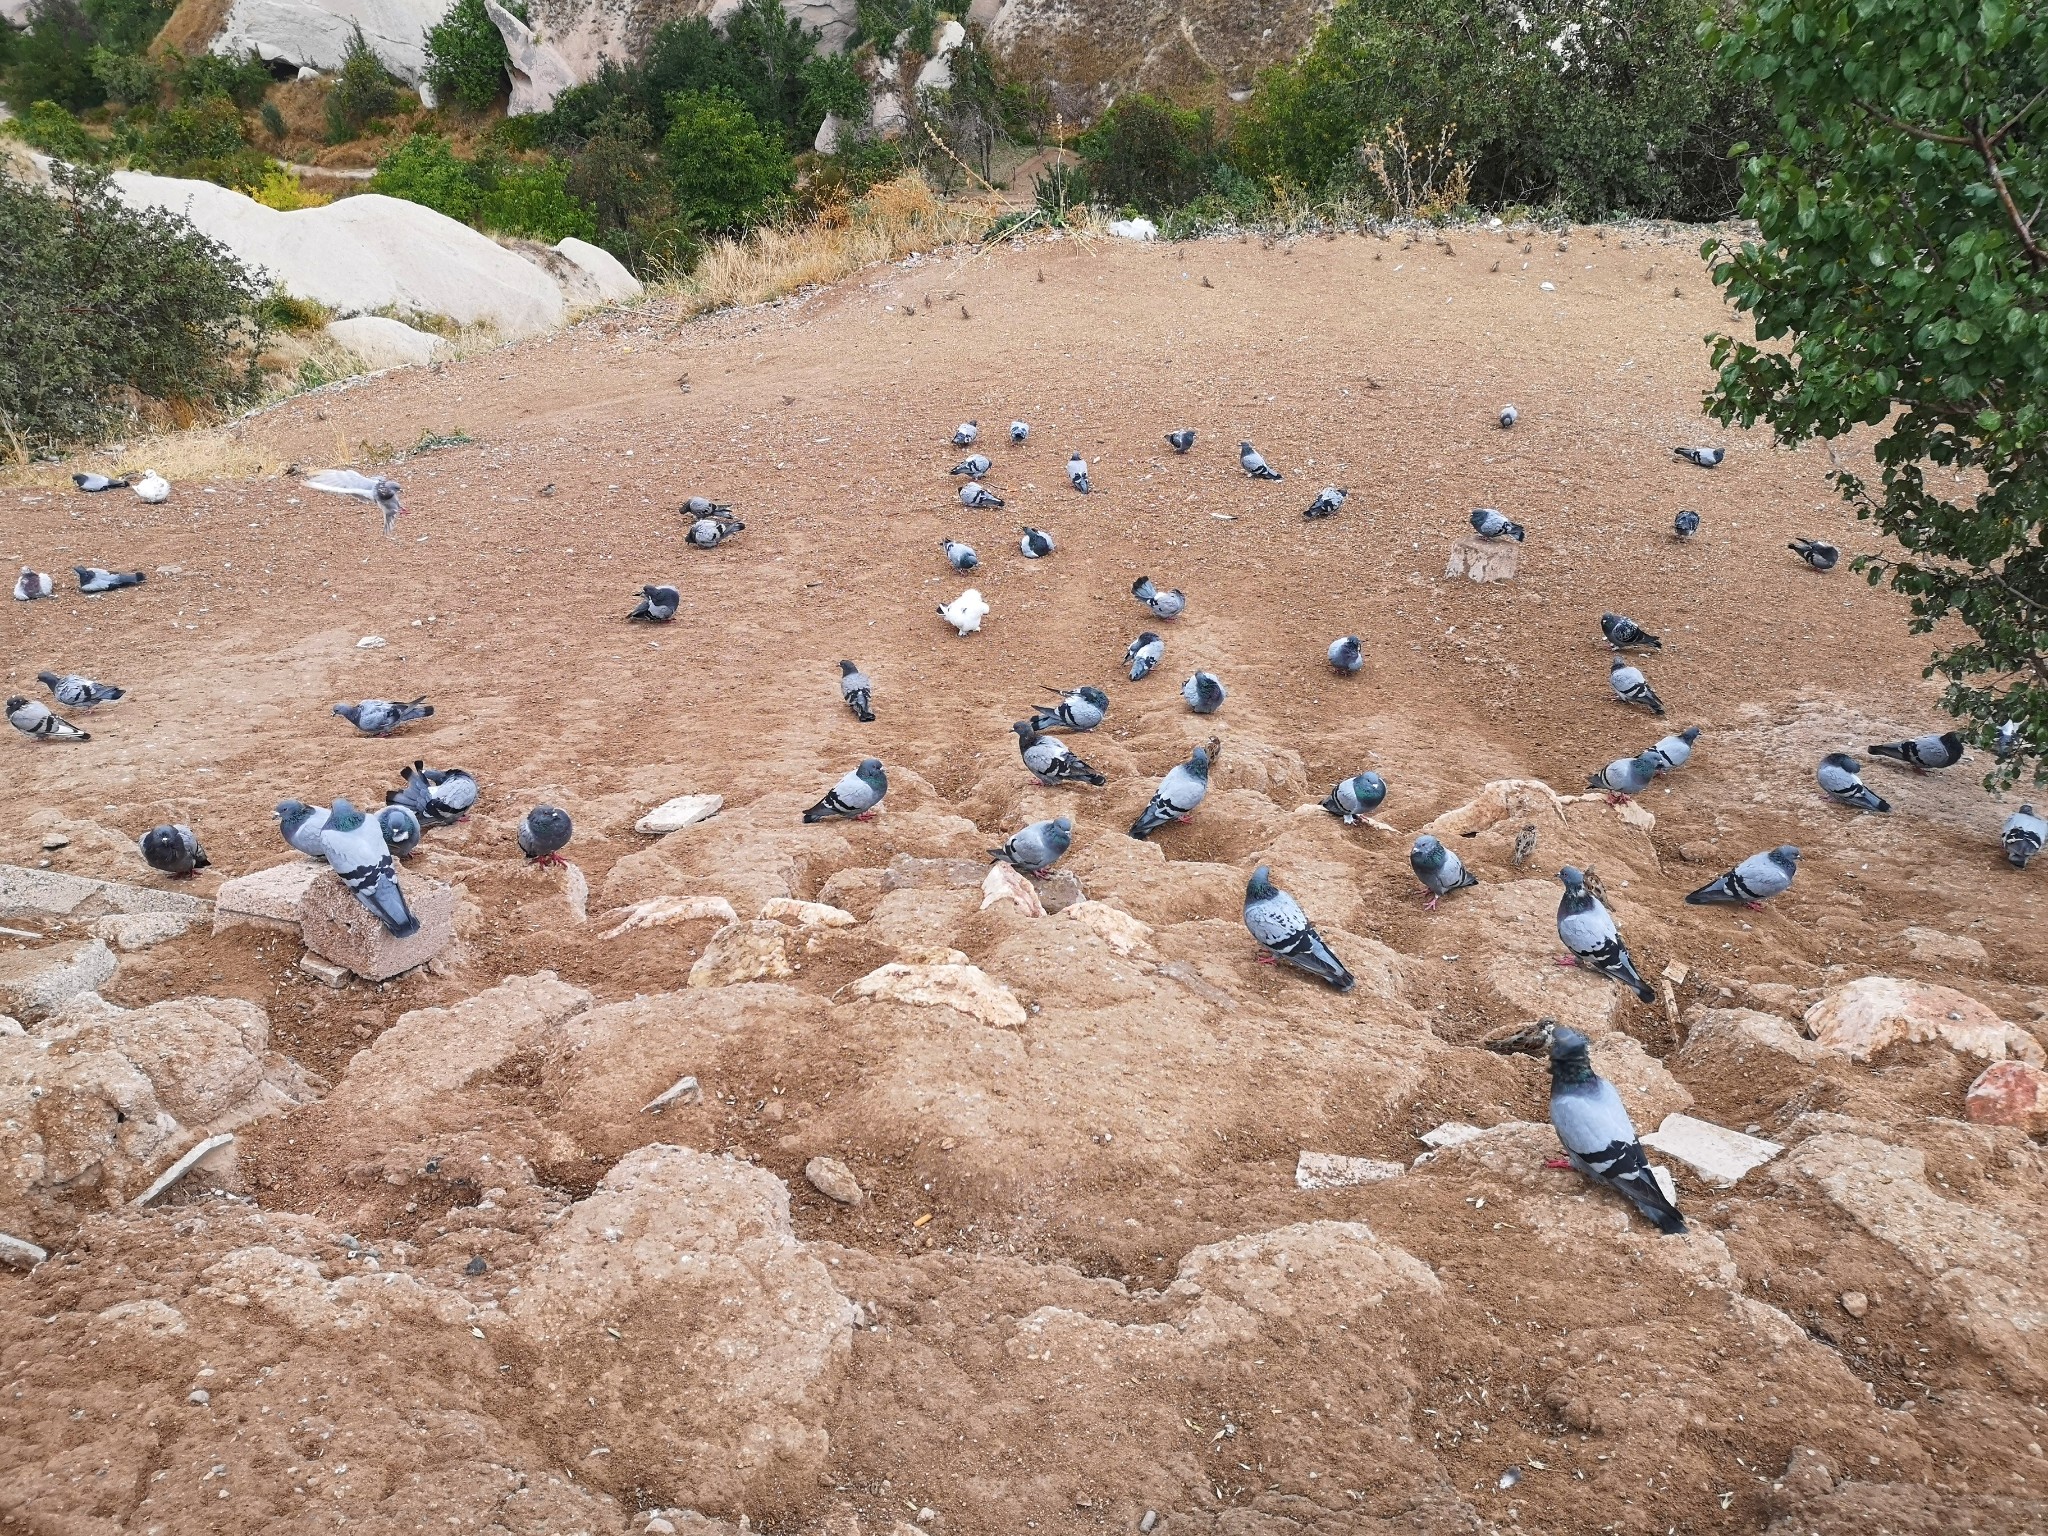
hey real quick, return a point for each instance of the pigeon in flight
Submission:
(95, 483)
(382, 717)
(544, 833)
(1706, 458)
(379, 492)
(1079, 709)
(1623, 632)
(1587, 929)
(1204, 693)
(2007, 743)
(153, 488)
(93, 580)
(1597, 1134)
(1509, 416)
(1037, 847)
(965, 434)
(1143, 654)
(1631, 687)
(353, 846)
(1822, 557)
(1035, 543)
(75, 692)
(965, 612)
(1049, 759)
(1327, 502)
(1178, 794)
(173, 851)
(1355, 796)
(710, 532)
(1923, 752)
(978, 498)
(1164, 605)
(1282, 929)
(1686, 524)
(1492, 523)
(858, 690)
(1752, 882)
(1627, 776)
(1347, 655)
(1676, 751)
(1439, 870)
(856, 797)
(1077, 472)
(703, 506)
(30, 585)
(400, 829)
(302, 825)
(440, 797)
(2022, 836)
(1254, 463)
(1183, 439)
(974, 466)
(37, 720)
(1019, 430)
(959, 556)
(657, 605)
(1841, 777)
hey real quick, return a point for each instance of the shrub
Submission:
(362, 92)
(281, 311)
(273, 120)
(773, 50)
(968, 114)
(466, 57)
(128, 26)
(98, 299)
(241, 80)
(282, 190)
(52, 60)
(425, 170)
(619, 175)
(1059, 189)
(128, 79)
(204, 139)
(1149, 153)
(532, 202)
(54, 131)
(724, 171)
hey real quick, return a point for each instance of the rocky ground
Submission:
(1052, 1267)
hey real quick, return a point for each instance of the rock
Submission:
(20, 1253)
(607, 274)
(539, 73)
(81, 1128)
(2009, 1093)
(806, 914)
(1855, 1303)
(326, 972)
(673, 815)
(52, 841)
(131, 931)
(963, 988)
(383, 343)
(1005, 884)
(659, 911)
(1327, 1170)
(1132, 229)
(827, 141)
(1059, 891)
(339, 928)
(908, 874)
(208, 1059)
(1883, 1189)
(1868, 1014)
(269, 898)
(315, 34)
(1518, 800)
(1122, 932)
(1714, 1152)
(937, 74)
(1449, 1134)
(1933, 944)
(738, 952)
(1479, 559)
(41, 979)
(834, 1180)
(1646, 1086)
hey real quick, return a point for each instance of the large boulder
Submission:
(1865, 1016)
(539, 73)
(386, 343)
(315, 34)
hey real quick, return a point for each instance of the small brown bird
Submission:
(1525, 844)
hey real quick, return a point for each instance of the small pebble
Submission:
(475, 1266)
(1151, 1519)
(1855, 1303)
(55, 840)
(200, 1396)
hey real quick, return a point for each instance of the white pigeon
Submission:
(965, 434)
(30, 585)
(375, 489)
(153, 488)
(965, 612)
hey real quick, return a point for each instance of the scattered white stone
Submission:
(1133, 229)
(684, 1088)
(185, 1165)
(806, 914)
(371, 643)
(1449, 1134)
(20, 1252)
(326, 972)
(673, 815)
(834, 1180)
(659, 911)
(1714, 1152)
(130, 931)
(1327, 1170)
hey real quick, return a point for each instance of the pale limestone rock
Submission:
(50, 893)
(39, 980)
(269, 897)
(1123, 933)
(659, 911)
(1522, 800)
(834, 1180)
(607, 274)
(1873, 1012)
(1714, 1152)
(384, 343)
(315, 34)
(1933, 944)
(538, 71)
(1329, 1170)
(740, 952)
(673, 815)
(1003, 883)
(806, 914)
(963, 988)
(339, 928)
(1479, 559)
(132, 931)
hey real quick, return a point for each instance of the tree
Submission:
(1903, 260)
(466, 57)
(726, 172)
(362, 92)
(1149, 153)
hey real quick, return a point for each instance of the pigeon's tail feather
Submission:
(1316, 958)
(1655, 704)
(1151, 819)
(1335, 806)
(1895, 750)
(1864, 798)
(1657, 1210)
(1719, 892)
(376, 890)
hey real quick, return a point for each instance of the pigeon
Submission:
(1049, 760)
(1178, 794)
(856, 796)
(353, 846)
(1143, 654)
(1923, 752)
(974, 466)
(1841, 776)
(154, 488)
(401, 830)
(440, 797)
(1686, 524)
(1492, 523)
(657, 605)
(2007, 744)
(1347, 655)
(1037, 847)
(1631, 687)
(1752, 882)
(30, 585)
(1822, 557)
(1327, 502)
(96, 483)
(1597, 1134)
(1439, 870)
(1587, 929)
(1283, 930)
(1204, 693)
(544, 833)
(1509, 416)
(2022, 836)
(375, 489)
(382, 717)
(965, 612)
(965, 434)
(302, 825)
(173, 851)
(1079, 709)
(1164, 605)
(1676, 751)
(1035, 543)
(977, 497)
(703, 506)
(33, 719)
(1182, 440)
(1077, 472)
(75, 692)
(858, 690)
(959, 556)
(1355, 796)
(1622, 632)
(1706, 458)
(1254, 463)
(1627, 776)
(710, 532)
(93, 580)
(1019, 430)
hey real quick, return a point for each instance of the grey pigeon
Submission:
(1627, 776)
(353, 846)
(1204, 692)
(974, 466)
(1821, 557)
(99, 483)
(1587, 929)
(302, 825)
(1327, 502)
(710, 532)
(440, 797)
(30, 585)
(978, 497)
(1623, 632)
(1706, 458)
(1439, 870)
(965, 434)
(544, 833)
(1631, 687)
(76, 692)
(1035, 543)
(1077, 472)
(1597, 1134)
(1923, 752)
(1049, 759)
(657, 605)
(1509, 416)
(2007, 743)
(93, 580)
(1143, 654)
(37, 720)
(1182, 439)
(1178, 794)
(1676, 751)
(1079, 709)
(1492, 523)
(173, 851)
(1752, 882)
(1686, 524)
(1019, 430)
(1037, 847)
(1355, 796)
(401, 830)
(959, 556)
(1347, 654)
(381, 717)
(858, 690)
(1282, 929)
(856, 796)
(703, 506)
(2022, 836)
(1841, 777)
(1254, 463)
(1164, 605)
(381, 493)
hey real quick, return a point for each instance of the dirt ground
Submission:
(1515, 1356)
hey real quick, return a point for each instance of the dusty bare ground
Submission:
(468, 1290)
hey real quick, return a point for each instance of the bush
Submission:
(1149, 153)
(281, 311)
(282, 190)
(128, 79)
(466, 57)
(362, 92)
(52, 60)
(54, 131)
(98, 299)
(618, 174)
(203, 139)
(532, 202)
(723, 170)
(273, 120)
(425, 170)
(128, 26)
(241, 80)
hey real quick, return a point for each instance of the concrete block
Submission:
(1479, 559)
(269, 898)
(326, 972)
(50, 893)
(1328, 1170)
(36, 981)
(130, 931)
(337, 927)
(1714, 1152)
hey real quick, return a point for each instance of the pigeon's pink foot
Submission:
(554, 859)
(1754, 906)
(1430, 905)
(1614, 799)
(1557, 1162)
(1569, 962)
(865, 816)
(1267, 960)
(1041, 874)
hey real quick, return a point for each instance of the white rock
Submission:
(605, 271)
(316, 33)
(827, 141)
(370, 642)
(539, 71)
(383, 343)
(806, 914)
(1327, 1170)
(673, 815)
(937, 74)
(1133, 229)
(1450, 1133)
(130, 931)
(1714, 1152)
